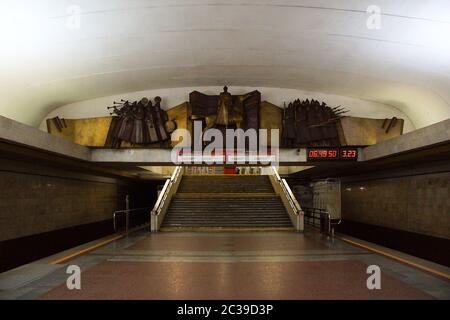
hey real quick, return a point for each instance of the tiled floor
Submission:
(258, 265)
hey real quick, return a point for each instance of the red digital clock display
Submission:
(348, 154)
(332, 154)
(323, 153)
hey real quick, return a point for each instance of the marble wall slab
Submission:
(417, 203)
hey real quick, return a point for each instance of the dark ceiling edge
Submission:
(24, 153)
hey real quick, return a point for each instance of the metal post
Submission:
(329, 224)
(127, 213)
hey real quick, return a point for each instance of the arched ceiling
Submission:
(48, 59)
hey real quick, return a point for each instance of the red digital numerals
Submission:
(332, 154)
(349, 154)
(323, 154)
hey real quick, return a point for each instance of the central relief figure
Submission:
(225, 110)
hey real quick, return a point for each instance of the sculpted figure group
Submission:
(305, 123)
(138, 122)
(310, 123)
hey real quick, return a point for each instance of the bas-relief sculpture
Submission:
(229, 111)
(139, 123)
(225, 111)
(311, 123)
(145, 124)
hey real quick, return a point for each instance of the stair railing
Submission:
(162, 204)
(321, 218)
(290, 202)
(126, 213)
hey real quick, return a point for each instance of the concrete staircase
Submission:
(226, 202)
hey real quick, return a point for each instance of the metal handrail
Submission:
(160, 200)
(288, 192)
(316, 213)
(291, 197)
(334, 224)
(126, 212)
(165, 191)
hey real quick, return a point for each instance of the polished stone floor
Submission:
(257, 265)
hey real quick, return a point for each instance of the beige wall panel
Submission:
(270, 117)
(90, 132)
(355, 131)
(418, 204)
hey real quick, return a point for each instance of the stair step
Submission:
(225, 229)
(221, 209)
(225, 184)
(233, 223)
(285, 224)
(225, 214)
(227, 219)
(226, 202)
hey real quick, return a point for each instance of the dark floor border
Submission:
(419, 245)
(16, 252)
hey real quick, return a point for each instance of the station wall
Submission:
(406, 209)
(45, 210)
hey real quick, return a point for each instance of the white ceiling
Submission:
(315, 45)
